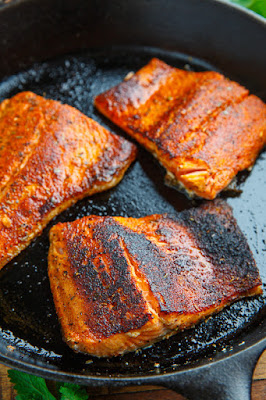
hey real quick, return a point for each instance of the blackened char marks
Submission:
(122, 283)
(113, 302)
(179, 277)
(192, 262)
(169, 272)
(145, 253)
(218, 236)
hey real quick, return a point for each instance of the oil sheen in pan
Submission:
(27, 316)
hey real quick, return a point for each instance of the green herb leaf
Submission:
(259, 6)
(29, 387)
(71, 391)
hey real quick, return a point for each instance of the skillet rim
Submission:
(250, 13)
(257, 348)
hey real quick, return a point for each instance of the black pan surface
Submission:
(29, 330)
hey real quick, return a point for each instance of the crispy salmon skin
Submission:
(202, 127)
(120, 284)
(51, 155)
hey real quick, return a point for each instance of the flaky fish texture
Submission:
(120, 284)
(51, 155)
(202, 127)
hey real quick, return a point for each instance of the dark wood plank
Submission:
(6, 389)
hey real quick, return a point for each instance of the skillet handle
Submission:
(226, 379)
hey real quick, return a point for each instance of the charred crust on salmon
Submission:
(219, 237)
(138, 280)
(114, 295)
(202, 127)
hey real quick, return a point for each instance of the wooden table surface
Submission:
(144, 392)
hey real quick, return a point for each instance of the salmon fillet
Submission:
(51, 155)
(202, 127)
(120, 284)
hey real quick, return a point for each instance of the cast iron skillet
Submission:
(71, 51)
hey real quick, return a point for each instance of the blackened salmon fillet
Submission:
(202, 127)
(120, 284)
(51, 155)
